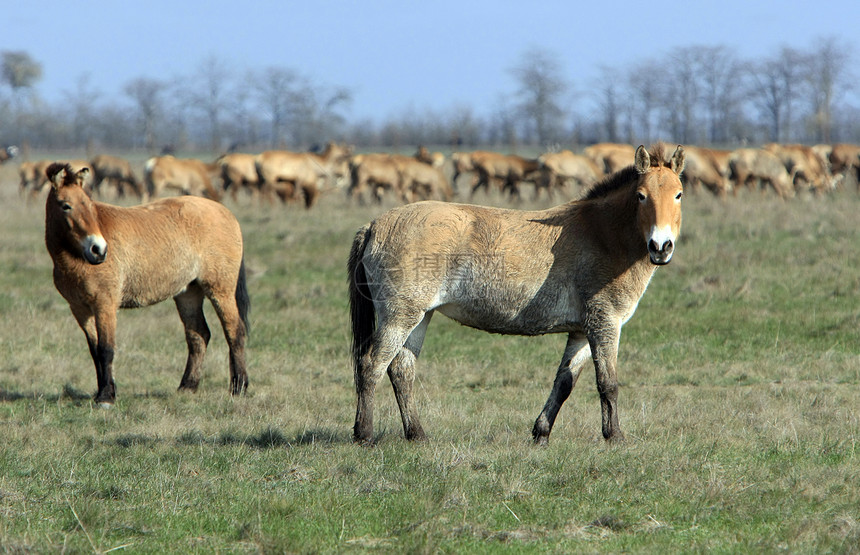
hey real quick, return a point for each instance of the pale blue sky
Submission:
(396, 56)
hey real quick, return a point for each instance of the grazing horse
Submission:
(108, 257)
(579, 268)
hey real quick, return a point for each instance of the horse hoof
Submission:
(416, 434)
(104, 404)
(616, 439)
(365, 441)
(541, 441)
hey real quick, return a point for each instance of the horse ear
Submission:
(56, 174)
(678, 160)
(82, 175)
(643, 160)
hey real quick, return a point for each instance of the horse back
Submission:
(157, 250)
(504, 271)
(488, 268)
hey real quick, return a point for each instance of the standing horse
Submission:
(108, 257)
(579, 268)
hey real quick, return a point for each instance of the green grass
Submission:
(740, 398)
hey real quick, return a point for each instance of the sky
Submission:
(395, 56)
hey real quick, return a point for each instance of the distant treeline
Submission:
(704, 95)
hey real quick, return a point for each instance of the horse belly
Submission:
(145, 290)
(496, 312)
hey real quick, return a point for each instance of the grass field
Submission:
(740, 398)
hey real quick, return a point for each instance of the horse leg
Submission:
(224, 302)
(401, 372)
(265, 192)
(604, 351)
(311, 192)
(234, 188)
(483, 181)
(189, 304)
(100, 329)
(96, 187)
(576, 352)
(387, 343)
(513, 188)
(86, 320)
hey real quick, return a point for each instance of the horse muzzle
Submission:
(95, 249)
(661, 253)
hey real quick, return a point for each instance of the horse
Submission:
(578, 268)
(108, 257)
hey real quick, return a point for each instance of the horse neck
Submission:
(324, 161)
(622, 250)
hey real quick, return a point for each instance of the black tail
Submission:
(243, 300)
(362, 311)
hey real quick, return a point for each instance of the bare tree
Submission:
(609, 102)
(321, 118)
(146, 93)
(775, 84)
(20, 71)
(207, 92)
(274, 90)
(465, 128)
(501, 128)
(718, 70)
(114, 126)
(82, 101)
(828, 78)
(309, 113)
(538, 98)
(643, 98)
(681, 95)
(243, 124)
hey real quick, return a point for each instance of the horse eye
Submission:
(679, 195)
(641, 196)
(66, 207)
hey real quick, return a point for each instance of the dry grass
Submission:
(740, 375)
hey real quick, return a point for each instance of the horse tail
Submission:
(362, 311)
(243, 300)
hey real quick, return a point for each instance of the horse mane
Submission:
(68, 179)
(612, 183)
(627, 176)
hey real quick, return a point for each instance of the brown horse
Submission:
(579, 268)
(117, 172)
(108, 257)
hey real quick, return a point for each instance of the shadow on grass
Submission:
(71, 393)
(130, 440)
(269, 438)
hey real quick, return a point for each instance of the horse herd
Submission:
(578, 268)
(291, 176)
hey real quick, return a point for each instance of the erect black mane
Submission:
(628, 175)
(612, 183)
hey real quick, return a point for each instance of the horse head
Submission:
(659, 194)
(68, 202)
